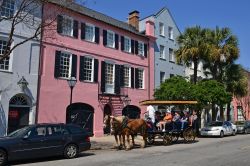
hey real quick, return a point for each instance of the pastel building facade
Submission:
(19, 72)
(166, 32)
(111, 61)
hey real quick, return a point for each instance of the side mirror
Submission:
(25, 137)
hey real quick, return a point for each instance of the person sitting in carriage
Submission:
(184, 119)
(176, 120)
(193, 119)
(166, 120)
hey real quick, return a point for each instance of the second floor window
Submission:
(88, 67)
(141, 78)
(162, 52)
(141, 48)
(127, 76)
(7, 8)
(109, 74)
(162, 77)
(67, 26)
(65, 65)
(111, 39)
(4, 64)
(170, 33)
(90, 32)
(171, 55)
(161, 29)
(127, 44)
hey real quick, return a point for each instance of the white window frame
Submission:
(143, 76)
(161, 29)
(92, 38)
(10, 56)
(110, 87)
(92, 68)
(10, 12)
(71, 26)
(164, 76)
(171, 55)
(162, 52)
(127, 44)
(141, 51)
(171, 33)
(70, 65)
(129, 77)
(110, 44)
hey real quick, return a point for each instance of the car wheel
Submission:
(3, 157)
(70, 151)
(222, 134)
(234, 133)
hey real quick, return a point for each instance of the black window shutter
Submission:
(122, 76)
(103, 76)
(146, 50)
(57, 64)
(81, 71)
(132, 77)
(75, 29)
(116, 41)
(82, 31)
(97, 36)
(136, 78)
(96, 66)
(132, 46)
(59, 23)
(74, 65)
(122, 43)
(104, 37)
(136, 47)
(117, 79)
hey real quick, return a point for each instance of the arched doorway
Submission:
(81, 114)
(131, 111)
(19, 109)
(107, 111)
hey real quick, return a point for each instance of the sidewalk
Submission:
(102, 143)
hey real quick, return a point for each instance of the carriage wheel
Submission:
(150, 139)
(175, 138)
(189, 135)
(167, 139)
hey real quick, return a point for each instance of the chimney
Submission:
(133, 19)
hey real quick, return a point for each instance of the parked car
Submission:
(243, 126)
(43, 140)
(219, 128)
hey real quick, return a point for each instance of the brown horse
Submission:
(130, 127)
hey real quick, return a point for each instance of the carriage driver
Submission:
(166, 120)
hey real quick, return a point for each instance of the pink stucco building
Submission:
(241, 106)
(112, 62)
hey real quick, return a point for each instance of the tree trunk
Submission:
(214, 112)
(228, 111)
(222, 118)
(195, 70)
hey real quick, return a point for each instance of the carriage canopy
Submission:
(166, 102)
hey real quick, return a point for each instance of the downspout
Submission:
(39, 67)
(149, 70)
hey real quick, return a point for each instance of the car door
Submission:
(226, 128)
(230, 128)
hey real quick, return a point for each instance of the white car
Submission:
(219, 128)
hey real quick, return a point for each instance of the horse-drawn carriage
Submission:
(173, 130)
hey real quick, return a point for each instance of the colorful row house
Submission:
(110, 61)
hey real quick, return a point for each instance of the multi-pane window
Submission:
(127, 76)
(111, 39)
(90, 32)
(170, 33)
(127, 44)
(162, 52)
(109, 76)
(161, 29)
(239, 113)
(171, 55)
(7, 8)
(88, 68)
(67, 26)
(65, 65)
(141, 48)
(162, 77)
(141, 78)
(4, 64)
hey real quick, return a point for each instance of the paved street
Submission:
(228, 151)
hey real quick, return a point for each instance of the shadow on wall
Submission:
(2, 121)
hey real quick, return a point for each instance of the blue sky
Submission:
(206, 13)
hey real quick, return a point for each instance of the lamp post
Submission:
(22, 83)
(127, 102)
(71, 82)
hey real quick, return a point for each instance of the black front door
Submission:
(18, 118)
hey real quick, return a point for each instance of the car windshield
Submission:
(215, 124)
(19, 132)
(239, 123)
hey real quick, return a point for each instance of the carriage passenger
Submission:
(176, 120)
(184, 119)
(193, 119)
(166, 120)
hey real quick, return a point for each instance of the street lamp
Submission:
(22, 83)
(127, 101)
(71, 82)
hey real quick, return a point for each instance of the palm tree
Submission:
(192, 47)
